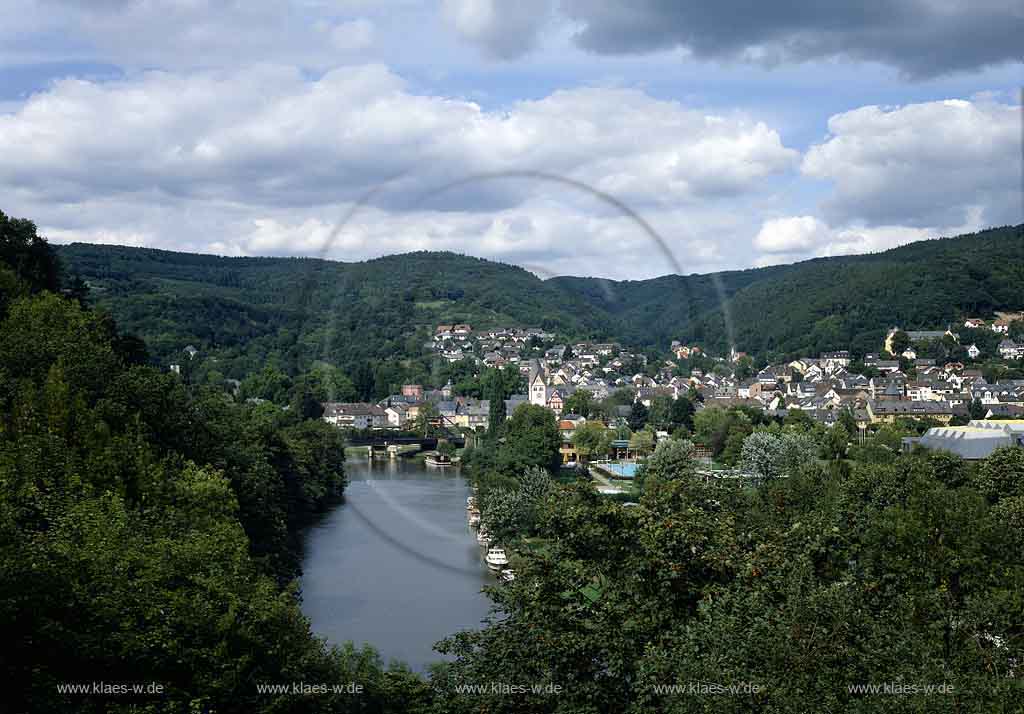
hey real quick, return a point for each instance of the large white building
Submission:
(975, 441)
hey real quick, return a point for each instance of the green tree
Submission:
(638, 416)
(642, 441)
(591, 439)
(672, 459)
(580, 402)
(900, 342)
(836, 442)
(532, 439)
(446, 449)
(270, 384)
(769, 455)
(496, 393)
(426, 419)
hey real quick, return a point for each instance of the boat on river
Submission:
(437, 460)
(507, 575)
(483, 537)
(496, 558)
(474, 518)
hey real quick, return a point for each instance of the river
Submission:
(395, 566)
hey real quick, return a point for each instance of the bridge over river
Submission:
(380, 442)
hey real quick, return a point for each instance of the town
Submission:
(944, 383)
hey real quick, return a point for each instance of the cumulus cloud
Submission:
(262, 160)
(790, 235)
(267, 135)
(921, 165)
(794, 238)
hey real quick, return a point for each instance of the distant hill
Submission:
(298, 309)
(826, 303)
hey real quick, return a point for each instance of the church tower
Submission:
(538, 389)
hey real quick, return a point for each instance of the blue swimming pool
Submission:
(625, 470)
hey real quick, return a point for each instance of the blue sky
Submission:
(744, 133)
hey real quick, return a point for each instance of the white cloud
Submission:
(790, 235)
(794, 238)
(263, 160)
(934, 163)
(269, 136)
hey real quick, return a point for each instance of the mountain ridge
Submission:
(267, 307)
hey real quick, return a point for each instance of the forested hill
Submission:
(822, 304)
(301, 310)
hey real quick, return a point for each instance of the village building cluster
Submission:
(821, 387)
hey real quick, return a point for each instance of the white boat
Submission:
(507, 575)
(496, 558)
(471, 503)
(483, 537)
(432, 460)
(474, 518)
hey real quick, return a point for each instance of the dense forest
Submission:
(292, 312)
(149, 529)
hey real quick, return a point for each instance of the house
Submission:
(413, 392)
(397, 414)
(974, 323)
(1008, 349)
(888, 411)
(973, 352)
(1005, 411)
(773, 375)
(685, 352)
(917, 336)
(834, 360)
(882, 365)
(354, 415)
(567, 449)
(514, 402)
(555, 398)
(472, 414)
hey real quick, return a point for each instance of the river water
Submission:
(395, 566)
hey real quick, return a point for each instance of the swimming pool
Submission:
(624, 470)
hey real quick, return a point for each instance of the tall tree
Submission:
(531, 439)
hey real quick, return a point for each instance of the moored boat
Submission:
(434, 460)
(496, 558)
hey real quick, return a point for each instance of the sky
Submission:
(552, 134)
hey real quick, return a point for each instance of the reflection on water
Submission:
(396, 564)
